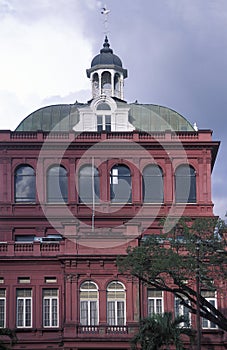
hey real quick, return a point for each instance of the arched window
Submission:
(88, 304)
(117, 85)
(57, 184)
(25, 184)
(89, 184)
(185, 184)
(120, 184)
(116, 297)
(106, 83)
(153, 184)
(95, 84)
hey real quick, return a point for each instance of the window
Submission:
(182, 310)
(25, 184)
(24, 280)
(152, 184)
(89, 304)
(95, 85)
(117, 86)
(155, 302)
(103, 123)
(106, 83)
(88, 184)
(116, 304)
(210, 296)
(57, 184)
(120, 184)
(103, 117)
(2, 308)
(50, 279)
(50, 307)
(185, 184)
(24, 308)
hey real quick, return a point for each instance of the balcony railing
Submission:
(30, 248)
(103, 330)
(138, 136)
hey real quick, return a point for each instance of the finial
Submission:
(106, 46)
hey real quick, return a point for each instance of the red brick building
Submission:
(81, 182)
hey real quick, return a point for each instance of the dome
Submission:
(144, 117)
(106, 56)
(106, 59)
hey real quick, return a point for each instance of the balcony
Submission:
(102, 331)
(26, 249)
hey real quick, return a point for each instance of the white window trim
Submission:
(155, 304)
(4, 321)
(24, 312)
(51, 298)
(209, 326)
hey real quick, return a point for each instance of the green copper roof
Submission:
(149, 117)
(145, 117)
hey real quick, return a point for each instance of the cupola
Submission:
(107, 74)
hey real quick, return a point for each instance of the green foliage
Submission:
(172, 260)
(159, 330)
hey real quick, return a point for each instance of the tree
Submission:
(8, 333)
(185, 252)
(159, 330)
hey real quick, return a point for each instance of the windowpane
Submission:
(25, 184)
(103, 107)
(111, 313)
(116, 304)
(185, 184)
(50, 307)
(108, 123)
(182, 310)
(2, 308)
(89, 184)
(152, 184)
(120, 313)
(84, 313)
(120, 184)
(211, 297)
(89, 304)
(57, 185)
(24, 309)
(155, 302)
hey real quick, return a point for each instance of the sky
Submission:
(175, 52)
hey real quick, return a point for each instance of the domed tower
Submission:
(107, 74)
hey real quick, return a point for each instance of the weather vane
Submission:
(105, 12)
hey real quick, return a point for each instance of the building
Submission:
(80, 182)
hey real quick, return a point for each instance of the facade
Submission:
(80, 183)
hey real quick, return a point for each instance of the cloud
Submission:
(45, 59)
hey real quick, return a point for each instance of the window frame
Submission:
(62, 198)
(114, 180)
(93, 176)
(26, 303)
(22, 177)
(2, 308)
(91, 319)
(145, 183)
(53, 314)
(213, 301)
(113, 313)
(155, 300)
(182, 310)
(185, 180)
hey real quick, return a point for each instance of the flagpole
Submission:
(93, 195)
